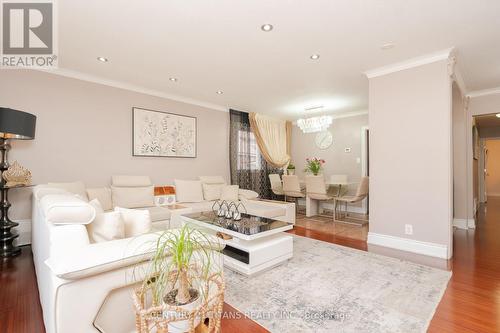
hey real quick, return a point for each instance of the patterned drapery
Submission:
(249, 169)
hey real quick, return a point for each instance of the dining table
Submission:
(313, 206)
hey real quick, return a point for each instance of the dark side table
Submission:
(7, 235)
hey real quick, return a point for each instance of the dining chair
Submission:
(276, 185)
(291, 188)
(361, 193)
(316, 189)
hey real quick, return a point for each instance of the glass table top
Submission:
(248, 225)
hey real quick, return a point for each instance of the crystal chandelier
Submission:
(314, 124)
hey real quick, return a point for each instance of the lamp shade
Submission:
(16, 124)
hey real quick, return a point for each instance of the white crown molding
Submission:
(131, 87)
(484, 92)
(410, 63)
(409, 245)
(456, 74)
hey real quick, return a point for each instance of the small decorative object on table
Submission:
(290, 169)
(314, 165)
(184, 285)
(228, 210)
(17, 175)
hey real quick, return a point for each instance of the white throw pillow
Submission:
(212, 191)
(133, 197)
(247, 194)
(77, 188)
(229, 193)
(103, 194)
(137, 221)
(66, 209)
(106, 227)
(188, 190)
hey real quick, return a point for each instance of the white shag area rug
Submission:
(331, 288)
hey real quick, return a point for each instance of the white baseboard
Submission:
(409, 245)
(24, 232)
(464, 223)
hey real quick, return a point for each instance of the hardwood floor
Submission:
(471, 302)
(20, 309)
(324, 224)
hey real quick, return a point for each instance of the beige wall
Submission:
(84, 132)
(411, 154)
(346, 134)
(459, 156)
(493, 168)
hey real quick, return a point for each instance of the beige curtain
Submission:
(273, 138)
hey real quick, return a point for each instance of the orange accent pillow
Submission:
(163, 190)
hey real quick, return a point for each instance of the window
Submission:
(249, 157)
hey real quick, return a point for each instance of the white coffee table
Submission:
(257, 243)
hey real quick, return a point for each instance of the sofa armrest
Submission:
(102, 257)
(67, 237)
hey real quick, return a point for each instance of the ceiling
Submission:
(489, 120)
(218, 45)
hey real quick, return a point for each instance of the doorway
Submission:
(486, 152)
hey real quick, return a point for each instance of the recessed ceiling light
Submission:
(173, 79)
(220, 92)
(498, 115)
(266, 27)
(314, 57)
(102, 59)
(387, 46)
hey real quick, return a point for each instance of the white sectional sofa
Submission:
(85, 286)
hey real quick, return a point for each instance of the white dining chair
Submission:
(316, 189)
(361, 193)
(292, 189)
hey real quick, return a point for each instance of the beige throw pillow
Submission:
(137, 221)
(229, 193)
(212, 191)
(133, 197)
(103, 194)
(188, 190)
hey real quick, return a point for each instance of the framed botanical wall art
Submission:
(162, 134)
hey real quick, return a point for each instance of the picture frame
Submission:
(163, 134)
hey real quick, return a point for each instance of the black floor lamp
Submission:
(16, 125)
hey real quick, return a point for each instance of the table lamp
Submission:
(14, 125)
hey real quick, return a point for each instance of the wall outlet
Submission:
(347, 150)
(408, 229)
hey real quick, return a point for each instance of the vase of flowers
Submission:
(291, 169)
(314, 165)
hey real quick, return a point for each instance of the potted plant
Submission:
(182, 260)
(291, 169)
(314, 165)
